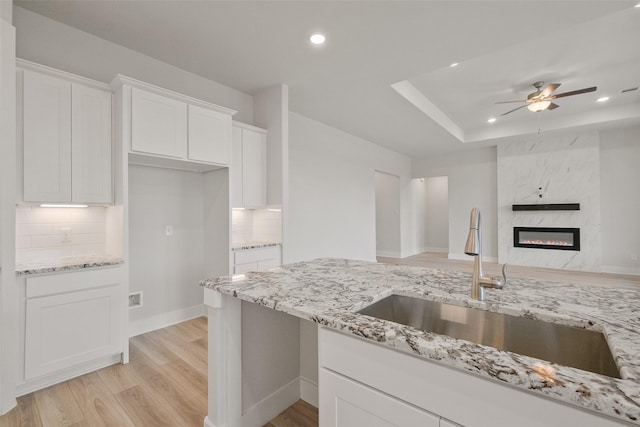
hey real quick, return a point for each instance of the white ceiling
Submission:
(502, 47)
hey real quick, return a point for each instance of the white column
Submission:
(225, 360)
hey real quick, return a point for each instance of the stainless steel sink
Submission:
(565, 345)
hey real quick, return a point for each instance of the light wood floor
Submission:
(165, 384)
(440, 261)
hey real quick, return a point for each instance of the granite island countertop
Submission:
(329, 291)
(70, 263)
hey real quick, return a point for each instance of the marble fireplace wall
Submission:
(568, 170)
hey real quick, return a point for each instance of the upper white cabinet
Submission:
(248, 166)
(164, 128)
(209, 135)
(158, 124)
(66, 137)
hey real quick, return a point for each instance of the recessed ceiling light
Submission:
(454, 64)
(602, 99)
(317, 38)
(492, 120)
(638, 5)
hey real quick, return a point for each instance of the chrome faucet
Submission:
(474, 248)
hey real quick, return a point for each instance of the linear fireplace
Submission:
(566, 239)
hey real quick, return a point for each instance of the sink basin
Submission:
(565, 345)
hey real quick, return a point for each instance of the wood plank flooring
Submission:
(165, 383)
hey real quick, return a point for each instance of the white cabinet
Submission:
(72, 319)
(347, 403)
(209, 135)
(66, 139)
(91, 169)
(46, 116)
(258, 259)
(169, 129)
(158, 124)
(249, 166)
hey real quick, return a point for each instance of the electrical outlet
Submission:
(66, 235)
(168, 230)
(634, 257)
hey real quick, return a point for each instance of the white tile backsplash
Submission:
(44, 233)
(256, 225)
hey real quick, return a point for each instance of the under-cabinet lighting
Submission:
(602, 99)
(238, 209)
(56, 205)
(491, 120)
(274, 210)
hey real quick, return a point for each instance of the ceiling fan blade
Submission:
(552, 106)
(511, 111)
(574, 92)
(549, 89)
(508, 102)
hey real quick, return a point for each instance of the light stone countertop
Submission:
(66, 264)
(328, 291)
(241, 246)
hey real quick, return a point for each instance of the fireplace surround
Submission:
(566, 239)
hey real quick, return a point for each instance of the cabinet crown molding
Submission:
(249, 127)
(121, 80)
(23, 64)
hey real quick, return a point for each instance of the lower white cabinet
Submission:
(258, 259)
(348, 403)
(71, 319)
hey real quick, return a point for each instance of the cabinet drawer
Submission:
(68, 282)
(256, 255)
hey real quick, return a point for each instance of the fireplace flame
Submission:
(546, 242)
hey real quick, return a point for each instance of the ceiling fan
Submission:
(541, 99)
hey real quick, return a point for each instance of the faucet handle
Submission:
(504, 274)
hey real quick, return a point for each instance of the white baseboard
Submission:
(389, 254)
(269, 407)
(439, 250)
(465, 257)
(49, 380)
(159, 321)
(309, 391)
(209, 423)
(616, 269)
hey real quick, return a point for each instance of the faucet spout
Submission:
(473, 247)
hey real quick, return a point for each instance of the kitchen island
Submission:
(330, 291)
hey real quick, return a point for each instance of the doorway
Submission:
(387, 215)
(433, 207)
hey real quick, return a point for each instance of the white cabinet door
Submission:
(65, 330)
(158, 124)
(209, 135)
(91, 145)
(46, 138)
(347, 403)
(235, 168)
(254, 171)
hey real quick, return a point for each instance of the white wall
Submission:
(387, 188)
(332, 192)
(418, 217)
(472, 183)
(48, 42)
(436, 190)
(166, 269)
(620, 200)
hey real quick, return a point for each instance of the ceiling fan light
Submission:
(539, 106)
